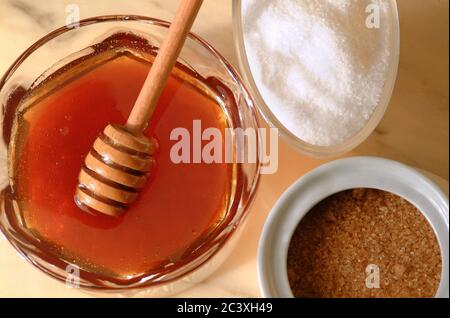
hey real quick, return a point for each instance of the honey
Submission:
(177, 211)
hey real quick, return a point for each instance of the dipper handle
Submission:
(162, 66)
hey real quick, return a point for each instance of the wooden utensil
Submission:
(117, 167)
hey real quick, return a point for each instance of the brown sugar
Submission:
(364, 243)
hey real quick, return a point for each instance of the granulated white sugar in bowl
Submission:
(319, 65)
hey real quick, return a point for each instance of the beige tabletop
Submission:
(415, 129)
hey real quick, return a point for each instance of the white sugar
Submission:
(317, 65)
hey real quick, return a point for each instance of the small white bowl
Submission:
(336, 176)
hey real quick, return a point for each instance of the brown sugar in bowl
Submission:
(347, 237)
(364, 243)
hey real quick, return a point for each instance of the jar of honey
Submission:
(58, 96)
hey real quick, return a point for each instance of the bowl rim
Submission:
(286, 134)
(226, 233)
(336, 176)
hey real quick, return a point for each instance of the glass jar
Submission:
(297, 143)
(57, 49)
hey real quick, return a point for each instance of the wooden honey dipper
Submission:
(121, 158)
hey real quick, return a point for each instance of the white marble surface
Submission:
(415, 129)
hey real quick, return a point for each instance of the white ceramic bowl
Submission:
(336, 176)
(288, 136)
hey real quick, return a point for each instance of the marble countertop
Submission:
(415, 129)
